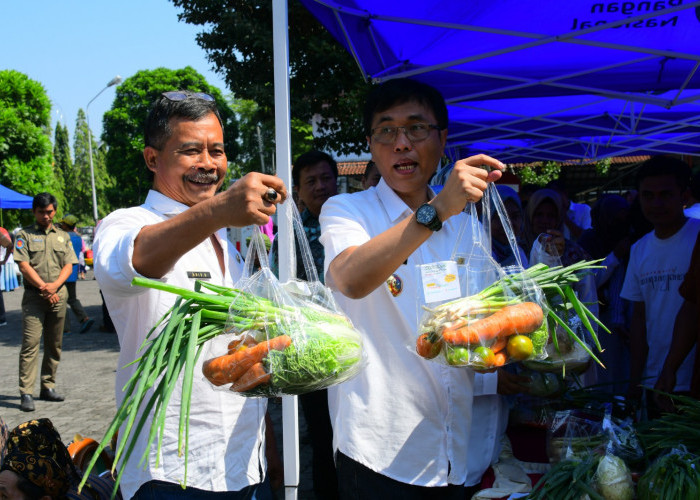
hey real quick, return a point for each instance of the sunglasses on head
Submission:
(177, 95)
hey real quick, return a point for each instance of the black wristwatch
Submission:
(427, 215)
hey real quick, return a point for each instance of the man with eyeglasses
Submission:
(401, 427)
(178, 235)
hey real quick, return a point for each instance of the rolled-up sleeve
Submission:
(340, 229)
(114, 251)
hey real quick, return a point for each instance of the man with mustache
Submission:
(178, 235)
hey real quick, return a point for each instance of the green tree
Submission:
(78, 178)
(123, 128)
(539, 173)
(326, 86)
(25, 141)
(63, 163)
(258, 139)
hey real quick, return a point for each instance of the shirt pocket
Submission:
(36, 247)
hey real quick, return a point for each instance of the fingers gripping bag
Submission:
(473, 311)
(282, 338)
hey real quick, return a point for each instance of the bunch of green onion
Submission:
(195, 318)
(556, 284)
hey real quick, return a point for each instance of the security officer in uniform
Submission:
(45, 257)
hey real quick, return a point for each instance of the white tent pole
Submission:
(280, 36)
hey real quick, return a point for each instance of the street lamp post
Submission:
(114, 81)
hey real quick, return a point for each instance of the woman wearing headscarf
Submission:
(501, 247)
(544, 237)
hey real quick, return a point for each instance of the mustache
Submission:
(203, 177)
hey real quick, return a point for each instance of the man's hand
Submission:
(245, 203)
(666, 383)
(48, 289)
(466, 183)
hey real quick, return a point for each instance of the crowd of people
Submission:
(403, 427)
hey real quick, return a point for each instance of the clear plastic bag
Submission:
(497, 316)
(283, 338)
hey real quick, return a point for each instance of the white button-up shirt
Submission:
(226, 436)
(403, 416)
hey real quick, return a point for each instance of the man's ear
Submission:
(150, 154)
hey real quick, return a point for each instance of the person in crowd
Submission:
(45, 257)
(609, 239)
(5, 253)
(686, 332)
(393, 439)
(500, 244)
(314, 176)
(657, 266)
(35, 464)
(578, 215)
(525, 192)
(68, 224)
(371, 175)
(176, 234)
(692, 207)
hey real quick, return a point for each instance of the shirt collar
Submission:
(162, 204)
(395, 207)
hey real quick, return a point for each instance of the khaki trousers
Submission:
(39, 316)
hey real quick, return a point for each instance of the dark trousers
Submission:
(3, 318)
(357, 482)
(318, 422)
(161, 490)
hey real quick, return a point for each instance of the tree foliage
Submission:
(257, 141)
(539, 173)
(123, 128)
(79, 179)
(326, 87)
(25, 141)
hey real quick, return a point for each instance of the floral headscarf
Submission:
(36, 453)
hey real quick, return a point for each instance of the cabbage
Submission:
(613, 479)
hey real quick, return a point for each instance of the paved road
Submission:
(86, 378)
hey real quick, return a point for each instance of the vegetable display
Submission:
(595, 477)
(278, 348)
(674, 475)
(502, 323)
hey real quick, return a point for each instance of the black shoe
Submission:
(27, 402)
(50, 395)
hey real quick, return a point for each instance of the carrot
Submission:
(525, 317)
(229, 367)
(243, 341)
(426, 348)
(253, 377)
(500, 344)
(499, 359)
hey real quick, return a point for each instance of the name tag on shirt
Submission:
(440, 281)
(199, 275)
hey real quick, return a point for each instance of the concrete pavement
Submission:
(86, 378)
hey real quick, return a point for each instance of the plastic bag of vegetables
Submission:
(475, 312)
(282, 338)
(494, 315)
(673, 475)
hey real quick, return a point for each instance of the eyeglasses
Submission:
(182, 96)
(415, 132)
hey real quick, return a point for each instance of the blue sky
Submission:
(74, 47)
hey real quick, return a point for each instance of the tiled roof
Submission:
(352, 167)
(358, 167)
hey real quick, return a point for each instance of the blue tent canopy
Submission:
(545, 80)
(13, 199)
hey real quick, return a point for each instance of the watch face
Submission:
(425, 214)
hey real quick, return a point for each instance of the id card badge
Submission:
(440, 281)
